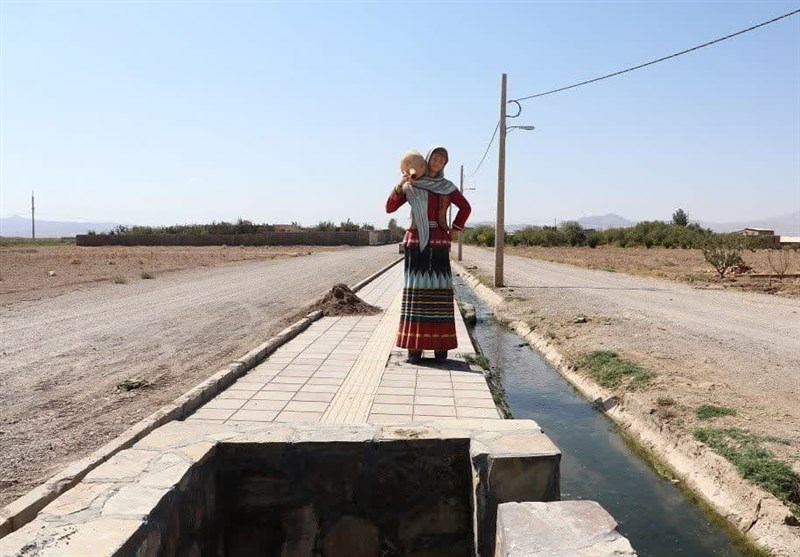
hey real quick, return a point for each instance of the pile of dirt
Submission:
(343, 301)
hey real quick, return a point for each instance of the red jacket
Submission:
(437, 212)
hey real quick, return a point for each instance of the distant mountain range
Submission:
(785, 225)
(20, 227)
(16, 226)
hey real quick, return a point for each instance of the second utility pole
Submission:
(499, 232)
(461, 233)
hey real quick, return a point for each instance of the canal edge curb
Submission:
(752, 513)
(26, 507)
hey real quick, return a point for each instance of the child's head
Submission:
(413, 165)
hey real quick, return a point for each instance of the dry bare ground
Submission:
(733, 349)
(682, 265)
(31, 272)
(65, 352)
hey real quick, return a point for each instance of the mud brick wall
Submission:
(359, 238)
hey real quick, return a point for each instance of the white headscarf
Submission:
(417, 196)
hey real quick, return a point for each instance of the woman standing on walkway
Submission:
(426, 317)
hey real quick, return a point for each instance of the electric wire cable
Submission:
(656, 61)
(483, 158)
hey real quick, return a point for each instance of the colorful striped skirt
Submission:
(426, 316)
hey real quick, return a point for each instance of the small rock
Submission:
(468, 310)
(581, 319)
(51, 273)
(605, 405)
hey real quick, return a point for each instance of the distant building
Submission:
(770, 239)
(287, 228)
(758, 232)
(791, 242)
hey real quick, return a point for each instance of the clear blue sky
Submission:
(176, 112)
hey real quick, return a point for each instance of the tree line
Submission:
(677, 233)
(241, 226)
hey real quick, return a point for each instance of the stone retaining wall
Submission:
(347, 499)
(308, 489)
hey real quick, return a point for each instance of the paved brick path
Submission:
(348, 370)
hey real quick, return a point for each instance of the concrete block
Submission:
(511, 467)
(558, 529)
(134, 501)
(79, 498)
(332, 433)
(123, 466)
(102, 537)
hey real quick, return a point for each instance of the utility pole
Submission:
(33, 220)
(499, 233)
(462, 193)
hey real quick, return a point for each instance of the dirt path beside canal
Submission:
(733, 350)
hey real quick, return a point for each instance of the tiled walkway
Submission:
(348, 370)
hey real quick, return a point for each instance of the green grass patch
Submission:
(755, 462)
(665, 401)
(146, 275)
(610, 370)
(479, 360)
(709, 411)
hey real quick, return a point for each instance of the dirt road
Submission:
(62, 357)
(733, 349)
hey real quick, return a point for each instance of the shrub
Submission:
(724, 252)
(572, 232)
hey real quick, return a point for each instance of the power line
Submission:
(656, 61)
(483, 158)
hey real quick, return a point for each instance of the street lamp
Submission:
(499, 233)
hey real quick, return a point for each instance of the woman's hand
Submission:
(454, 234)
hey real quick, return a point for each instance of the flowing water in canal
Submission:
(656, 516)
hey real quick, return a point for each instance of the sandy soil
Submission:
(36, 272)
(682, 265)
(64, 353)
